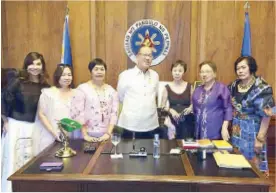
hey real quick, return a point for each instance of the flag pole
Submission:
(246, 43)
(67, 10)
(246, 6)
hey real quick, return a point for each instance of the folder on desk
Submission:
(222, 144)
(205, 143)
(236, 161)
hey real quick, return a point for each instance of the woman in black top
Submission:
(178, 94)
(19, 100)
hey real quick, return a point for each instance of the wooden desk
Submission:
(98, 172)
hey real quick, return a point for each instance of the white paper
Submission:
(118, 156)
(175, 151)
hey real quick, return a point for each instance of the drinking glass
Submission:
(115, 139)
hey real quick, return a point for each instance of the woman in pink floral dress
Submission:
(101, 104)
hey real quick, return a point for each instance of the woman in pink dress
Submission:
(55, 103)
(101, 104)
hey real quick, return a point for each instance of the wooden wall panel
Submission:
(80, 36)
(100, 29)
(175, 16)
(14, 31)
(199, 30)
(3, 35)
(263, 39)
(177, 21)
(194, 37)
(115, 29)
(219, 40)
(32, 26)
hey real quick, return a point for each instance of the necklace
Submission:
(102, 100)
(248, 85)
(209, 87)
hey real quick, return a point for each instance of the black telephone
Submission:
(141, 153)
(89, 147)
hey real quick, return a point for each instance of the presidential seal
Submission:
(151, 33)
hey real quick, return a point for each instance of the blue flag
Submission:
(66, 56)
(246, 43)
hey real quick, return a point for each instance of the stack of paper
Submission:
(188, 144)
(231, 160)
(205, 143)
(222, 144)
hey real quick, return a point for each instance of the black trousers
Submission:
(146, 135)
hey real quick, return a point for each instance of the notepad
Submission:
(222, 144)
(205, 143)
(51, 166)
(236, 161)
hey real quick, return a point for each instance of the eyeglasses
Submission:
(206, 72)
(146, 55)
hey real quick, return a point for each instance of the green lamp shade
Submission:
(69, 124)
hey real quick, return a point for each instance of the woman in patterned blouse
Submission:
(251, 95)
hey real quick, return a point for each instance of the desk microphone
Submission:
(133, 141)
(141, 153)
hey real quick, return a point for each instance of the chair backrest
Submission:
(161, 87)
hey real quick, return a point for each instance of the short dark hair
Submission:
(58, 73)
(96, 61)
(29, 59)
(181, 63)
(251, 62)
(209, 63)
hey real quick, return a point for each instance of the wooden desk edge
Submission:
(165, 178)
(94, 158)
(140, 178)
(185, 161)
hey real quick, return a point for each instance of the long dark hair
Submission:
(29, 59)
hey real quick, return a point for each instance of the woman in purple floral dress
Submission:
(212, 105)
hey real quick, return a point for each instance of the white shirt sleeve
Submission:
(157, 87)
(122, 85)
